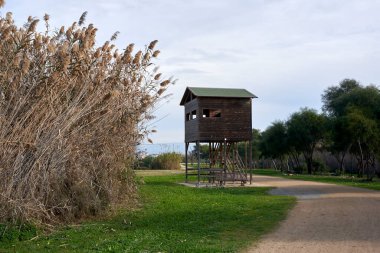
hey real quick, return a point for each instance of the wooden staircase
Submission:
(225, 165)
(233, 167)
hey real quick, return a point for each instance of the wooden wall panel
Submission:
(235, 123)
(191, 126)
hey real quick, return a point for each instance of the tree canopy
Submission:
(349, 124)
(306, 129)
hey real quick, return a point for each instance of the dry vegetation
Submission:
(71, 115)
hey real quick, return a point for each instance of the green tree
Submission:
(338, 140)
(306, 129)
(256, 151)
(274, 142)
(365, 134)
(332, 95)
(354, 111)
(204, 148)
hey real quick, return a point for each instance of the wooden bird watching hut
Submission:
(222, 118)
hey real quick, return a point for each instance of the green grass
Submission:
(173, 218)
(343, 180)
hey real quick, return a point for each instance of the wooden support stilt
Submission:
(245, 155)
(224, 159)
(250, 161)
(209, 154)
(199, 162)
(186, 160)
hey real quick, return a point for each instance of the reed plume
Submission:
(71, 116)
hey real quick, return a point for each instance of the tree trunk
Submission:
(275, 165)
(340, 158)
(370, 166)
(361, 160)
(341, 164)
(295, 159)
(282, 164)
(309, 162)
(287, 164)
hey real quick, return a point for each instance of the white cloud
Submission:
(284, 51)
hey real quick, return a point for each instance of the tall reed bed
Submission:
(71, 114)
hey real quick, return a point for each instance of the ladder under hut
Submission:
(224, 164)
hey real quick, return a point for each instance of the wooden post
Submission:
(209, 154)
(199, 162)
(225, 160)
(186, 166)
(233, 156)
(245, 155)
(250, 161)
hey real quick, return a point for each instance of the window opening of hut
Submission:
(212, 113)
(188, 116)
(194, 114)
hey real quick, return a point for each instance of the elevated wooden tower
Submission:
(223, 119)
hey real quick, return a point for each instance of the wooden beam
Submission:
(186, 160)
(245, 155)
(209, 154)
(225, 158)
(199, 162)
(250, 161)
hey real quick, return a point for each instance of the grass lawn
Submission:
(173, 218)
(343, 180)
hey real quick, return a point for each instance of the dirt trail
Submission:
(326, 218)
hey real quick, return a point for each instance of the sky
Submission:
(286, 52)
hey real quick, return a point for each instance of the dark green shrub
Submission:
(319, 167)
(147, 161)
(299, 169)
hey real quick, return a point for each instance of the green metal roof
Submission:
(220, 92)
(217, 92)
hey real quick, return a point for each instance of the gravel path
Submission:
(326, 218)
